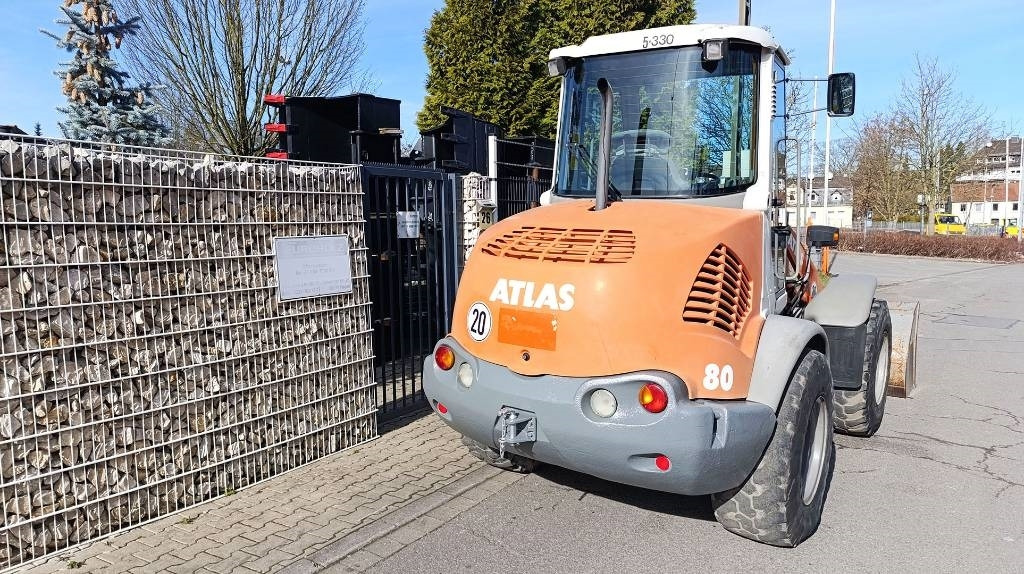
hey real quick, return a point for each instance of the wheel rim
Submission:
(817, 455)
(882, 371)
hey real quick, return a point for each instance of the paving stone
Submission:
(357, 562)
(416, 529)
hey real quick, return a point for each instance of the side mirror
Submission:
(822, 236)
(841, 95)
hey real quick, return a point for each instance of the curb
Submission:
(389, 523)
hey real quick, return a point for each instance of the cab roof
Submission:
(689, 35)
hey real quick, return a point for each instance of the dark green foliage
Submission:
(489, 57)
(101, 107)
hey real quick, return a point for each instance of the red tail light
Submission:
(653, 398)
(277, 154)
(273, 99)
(444, 356)
(276, 128)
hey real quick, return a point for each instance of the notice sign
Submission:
(408, 224)
(312, 266)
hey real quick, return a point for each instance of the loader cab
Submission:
(692, 119)
(698, 114)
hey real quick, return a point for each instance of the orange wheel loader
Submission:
(656, 323)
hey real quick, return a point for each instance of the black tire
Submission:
(512, 462)
(859, 412)
(781, 501)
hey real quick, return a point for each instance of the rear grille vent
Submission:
(558, 244)
(721, 294)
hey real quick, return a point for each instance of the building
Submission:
(840, 203)
(12, 129)
(986, 202)
(989, 192)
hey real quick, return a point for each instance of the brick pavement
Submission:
(290, 518)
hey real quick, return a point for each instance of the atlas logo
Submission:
(530, 294)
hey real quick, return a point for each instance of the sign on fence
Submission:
(312, 266)
(408, 224)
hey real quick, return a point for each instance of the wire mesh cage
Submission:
(148, 363)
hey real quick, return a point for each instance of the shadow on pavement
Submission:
(698, 507)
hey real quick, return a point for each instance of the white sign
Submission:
(478, 322)
(408, 224)
(312, 266)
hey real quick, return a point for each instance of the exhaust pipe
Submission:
(604, 150)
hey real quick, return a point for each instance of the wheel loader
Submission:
(657, 322)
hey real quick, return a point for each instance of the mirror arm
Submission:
(787, 116)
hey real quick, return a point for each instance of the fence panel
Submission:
(148, 364)
(413, 274)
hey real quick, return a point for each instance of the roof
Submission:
(689, 35)
(12, 129)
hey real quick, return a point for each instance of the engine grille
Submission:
(721, 294)
(564, 245)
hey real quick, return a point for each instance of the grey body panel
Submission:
(713, 445)
(782, 343)
(845, 302)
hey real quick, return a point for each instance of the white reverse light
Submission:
(602, 402)
(465, 375)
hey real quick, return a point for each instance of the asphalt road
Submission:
(940, 488)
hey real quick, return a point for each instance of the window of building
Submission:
(995, 207)
(963, 207)
(994, 221)
(977, 207)
(1016, 207)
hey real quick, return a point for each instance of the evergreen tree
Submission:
(101, 106)
(38, 131)
(489, 57)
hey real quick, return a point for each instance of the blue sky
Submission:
(877, 39)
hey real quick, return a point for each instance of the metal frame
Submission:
(147, 365)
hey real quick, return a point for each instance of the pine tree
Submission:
(101, 105)
(489, 57)
(38, 131)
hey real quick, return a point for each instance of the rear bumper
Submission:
(713, 445)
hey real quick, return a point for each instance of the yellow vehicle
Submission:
(949, 224)
(1012, 229)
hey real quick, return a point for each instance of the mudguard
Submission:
(781, 345)
(845, 302)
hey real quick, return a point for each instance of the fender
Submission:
(844, 302)
(781, 345)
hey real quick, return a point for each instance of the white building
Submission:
(840, 204)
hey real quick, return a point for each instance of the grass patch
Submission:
(188, 519)
(948, 246)
(74, 564)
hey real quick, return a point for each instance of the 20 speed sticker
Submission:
(478, 321)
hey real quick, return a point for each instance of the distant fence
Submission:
(149, 363)
(522, 170)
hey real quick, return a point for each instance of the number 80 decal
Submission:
(478, 321)
(715, 376)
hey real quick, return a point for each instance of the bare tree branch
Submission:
(218, 58)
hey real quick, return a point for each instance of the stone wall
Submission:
(477, 213)
(147, 362)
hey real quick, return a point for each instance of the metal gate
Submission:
(413, 248)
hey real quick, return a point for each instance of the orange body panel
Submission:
(583, 293)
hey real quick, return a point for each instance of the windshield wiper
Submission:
(581, 152)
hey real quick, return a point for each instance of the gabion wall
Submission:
(147, 363)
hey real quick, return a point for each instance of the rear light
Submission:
(653, 398)
(276, 128)
(442, 409)
(603, 403)
(277, 154)
(466, 375)
(444, 356)
(273, 99)
(662, 462)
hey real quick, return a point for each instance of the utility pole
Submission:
(828, 118)
(1006, 185)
